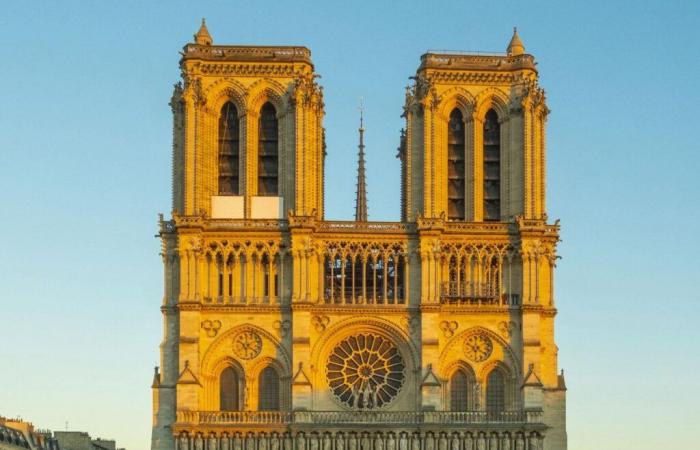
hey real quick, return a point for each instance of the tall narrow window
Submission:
(269, 390)
(229, 390)
(267, 151)
(492, 167)
(495, 391)
(455, 166)
(459, 391)
(228, 150)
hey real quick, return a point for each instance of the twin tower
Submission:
(286, 331)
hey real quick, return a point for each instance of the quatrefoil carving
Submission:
(211, 327)
(320, 322)
(448, 328)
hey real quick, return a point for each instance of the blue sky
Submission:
(85, 139)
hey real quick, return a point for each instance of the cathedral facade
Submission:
(286, 331)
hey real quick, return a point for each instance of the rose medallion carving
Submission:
(247, 344)
(365, 371)
(478, 347)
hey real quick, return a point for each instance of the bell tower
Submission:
(474, 145)
(248, 136)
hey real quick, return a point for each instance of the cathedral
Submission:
(286, 331)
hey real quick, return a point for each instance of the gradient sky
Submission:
(85, 141)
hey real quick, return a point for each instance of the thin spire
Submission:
(361, 198)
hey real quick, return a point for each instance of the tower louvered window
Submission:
(229, 390)
(228, 150)
(496, 391)
(268, 152)
(455, 166)
(269, 390)
(492, 167)
(459, 391)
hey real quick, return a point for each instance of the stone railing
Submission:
(356, 417)
(364, 227)
(471, 293)
(248, 53)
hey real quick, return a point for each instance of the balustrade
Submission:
(357, 417)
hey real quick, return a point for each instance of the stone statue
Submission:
(287, 441)
(326, 443)
(365, 443)
(415, 441)
(339, 441)
(505, 442)
(184, 441)
(313, 442)
(275, 441)
(199, 442)
(250, 442)
(520, 442)
(262, 442)
(468, 442)
(442, 442)
(352, 441)
(378, 441)
(454, 443)
(212, 441)
(355, 397)
(301, 441)
(224, 443)
(481, 442)
(429, 442)
(366, 397)
(390, 442)
(237, 442)
(403, 442)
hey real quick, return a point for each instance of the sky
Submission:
(85, 142)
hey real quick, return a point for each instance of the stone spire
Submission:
(515, 47)
(203, 37)
(361, 198)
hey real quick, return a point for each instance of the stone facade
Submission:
(286, 331)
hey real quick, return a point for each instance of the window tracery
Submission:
(269, 390)
(492, 167)
(365, 371)
(475, 273)
(496, 391)
(229, 150)
(455, 166)
(365, 273)
(245, 272)
(268, 151)
(230, 390)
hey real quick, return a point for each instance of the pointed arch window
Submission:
(492, 166)
(268, 151)
(269, 390)
(459, 391)
(230, 390)
(229, 150)
(455, 166)
(496, 391)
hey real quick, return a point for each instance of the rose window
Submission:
(365, 371)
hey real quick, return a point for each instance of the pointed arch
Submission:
(269, 389)
(268, 151)
(266, 90)
(492, 166)
(229, 149)
(491, 98)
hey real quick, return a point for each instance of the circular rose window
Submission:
(365, 371)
